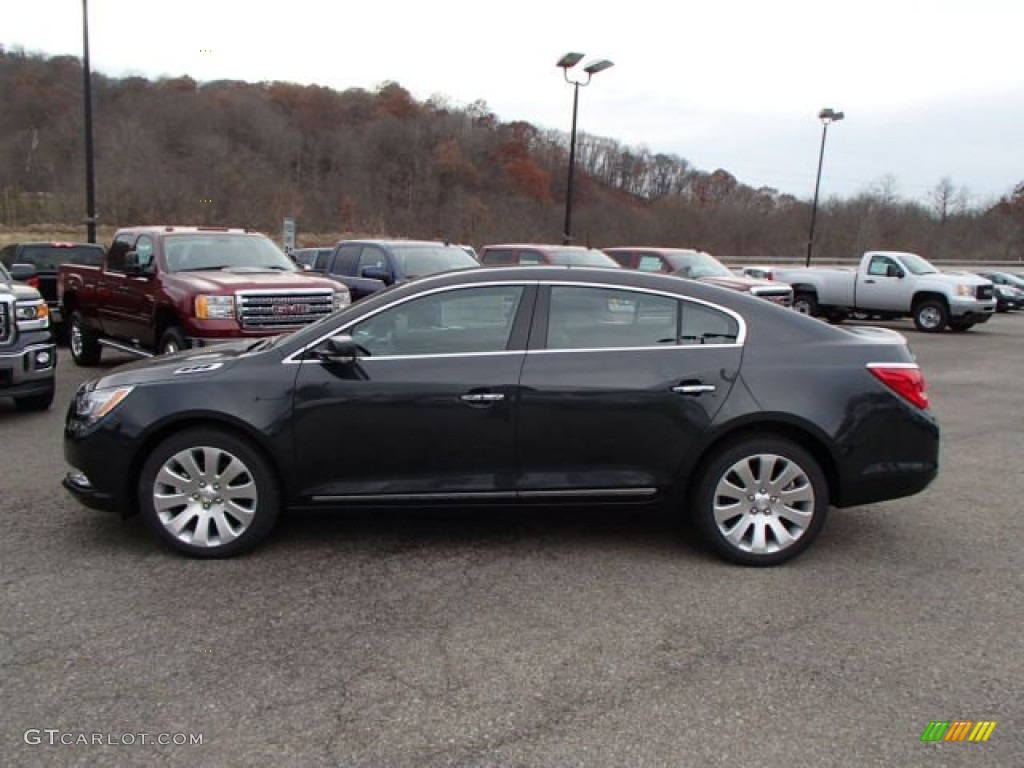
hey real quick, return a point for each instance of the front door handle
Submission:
(482, 398)
(693, 389)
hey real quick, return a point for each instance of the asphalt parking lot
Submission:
(559, 637)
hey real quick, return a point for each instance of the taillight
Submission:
(34, 282)
(905, 379)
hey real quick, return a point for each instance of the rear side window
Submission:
(605, 318)
(498, 257)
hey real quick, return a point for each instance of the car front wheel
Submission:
(931, 316)
(208, 493)
(761, 501)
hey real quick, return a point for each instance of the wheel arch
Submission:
(165, 317)
(217, 421)
(922, 296)
(773, 427)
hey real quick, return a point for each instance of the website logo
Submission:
(958, 730)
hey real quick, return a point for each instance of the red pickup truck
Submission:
(163, 289)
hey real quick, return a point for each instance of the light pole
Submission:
(90, 179)
(566, 63)
(827, 115)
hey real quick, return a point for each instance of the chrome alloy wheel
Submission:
(205, 496)
(75, 341)
(930, 317)
(763, 504)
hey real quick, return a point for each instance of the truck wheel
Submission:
(85, 349)
(761, 501)
(930, 315)
(172, 341)
(837, 316)
(208, 493)
(38, 402)
(805, 304)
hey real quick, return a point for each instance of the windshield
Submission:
(223, 250)
(917, 265)
(696, 265)
(588, 258)
(419, 260)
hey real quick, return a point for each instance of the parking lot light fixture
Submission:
(567, 62)
(827, 116)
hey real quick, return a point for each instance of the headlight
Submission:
(32, 315)
(342, 299)
(214, 307)
(93, 405)
(965, 290)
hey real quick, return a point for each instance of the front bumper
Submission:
(29, 370)
(972, 310)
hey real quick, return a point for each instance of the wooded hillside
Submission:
(380, 162)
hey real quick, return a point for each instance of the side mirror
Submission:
(893, 271)
(134, 266)
(377, 273)
(23, 272)
(341, 349)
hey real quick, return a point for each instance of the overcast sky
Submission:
(930, 88)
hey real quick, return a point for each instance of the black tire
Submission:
(39, 402)
(959, 326)
(84, 346)
(931, 315)
(837, 316)
(806, 303)
(228, 499)
(758, 528)
(172, 341)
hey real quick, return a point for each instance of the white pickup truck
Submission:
(892, 284)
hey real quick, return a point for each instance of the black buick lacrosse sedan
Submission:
(517, 385)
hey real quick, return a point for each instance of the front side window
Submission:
(650, 263)
(372, 257)
(879, 266)
(452, 322)
(118, 249)
(144, 251)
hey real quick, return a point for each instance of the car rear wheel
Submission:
(761, 501)
(805, 304)
(930, 315)
(960, 325)
(85, 349)
(208, 493)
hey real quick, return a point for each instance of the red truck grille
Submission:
(283, 309)
(6, 326)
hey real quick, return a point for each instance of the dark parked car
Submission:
(516, 385)
(367, 266)
(1009, 289)
(313, 259)
(46, 257)
(532, 254)
(699, 265)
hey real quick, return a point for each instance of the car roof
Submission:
(542, 246)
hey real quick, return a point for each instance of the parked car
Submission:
(759, 272)
(532, 254)
(163, 289)
(312, 259)
(28, 356)
(892, 284)
(1009, 289)
(47, 257)
(526, 385)
(367, 266)
(698, 265)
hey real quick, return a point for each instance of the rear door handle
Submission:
(693, 389)
(482, 398)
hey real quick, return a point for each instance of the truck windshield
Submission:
(419, 260)
(696, 265)
(917, 265)
(217, 250)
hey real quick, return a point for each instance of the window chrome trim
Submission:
(291, 359)
(741, 336)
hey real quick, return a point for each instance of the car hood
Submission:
(955, 278)
(187, 364)
(257, 278)
(742, 283)
(19, 290)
